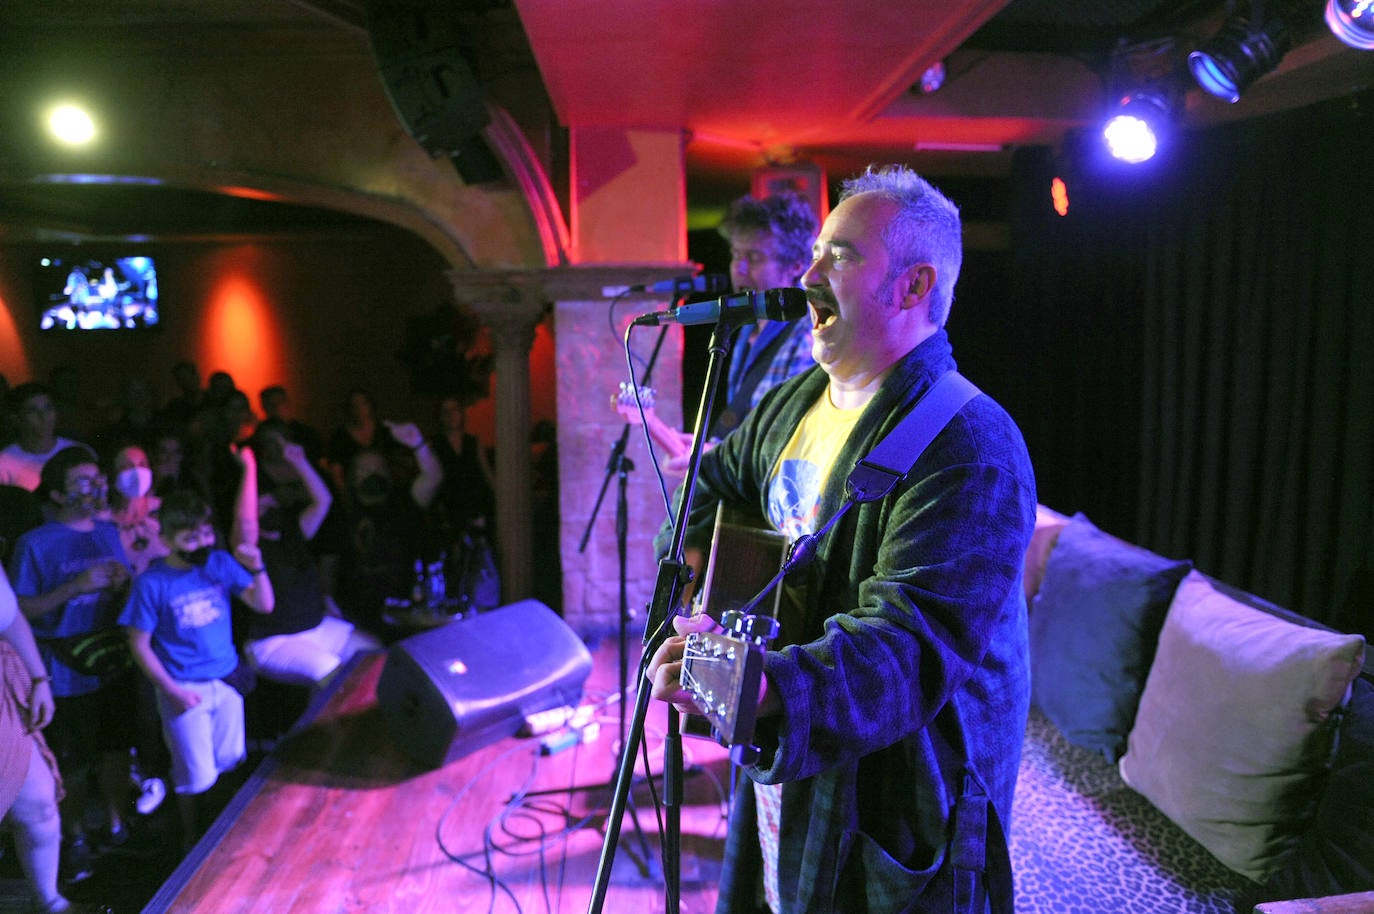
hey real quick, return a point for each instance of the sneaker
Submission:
(151, 793)
(77, 862)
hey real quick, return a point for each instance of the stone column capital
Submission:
(529, 289)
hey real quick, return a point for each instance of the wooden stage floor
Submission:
(338, 819)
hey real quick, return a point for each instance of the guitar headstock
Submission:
(630, 394)
(722, 672)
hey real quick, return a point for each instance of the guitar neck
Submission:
(667, 438)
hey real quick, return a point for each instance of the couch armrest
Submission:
(1358, 903)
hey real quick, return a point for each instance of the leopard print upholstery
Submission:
(1082, 842)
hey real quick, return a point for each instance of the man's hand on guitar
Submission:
(665, 672)
(677, 465)
(665, 667)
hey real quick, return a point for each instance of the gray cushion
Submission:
(1235, 727)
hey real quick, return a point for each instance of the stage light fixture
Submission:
(933, 77)
(1238, 55)
(1139, 126)
(1352, 21)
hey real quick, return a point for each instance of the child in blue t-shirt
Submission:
(179, 628)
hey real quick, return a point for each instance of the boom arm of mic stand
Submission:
(672, 574)
(612, 466)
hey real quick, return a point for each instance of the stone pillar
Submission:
(510, 309)
(591, 365)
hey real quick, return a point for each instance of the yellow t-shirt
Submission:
(794, 488)
(794, 492)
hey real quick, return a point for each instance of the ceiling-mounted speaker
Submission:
(431, 83)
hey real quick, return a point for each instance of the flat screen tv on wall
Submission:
(78, 292)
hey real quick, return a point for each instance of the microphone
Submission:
(785, 304)
(708, 282)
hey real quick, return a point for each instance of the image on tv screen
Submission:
(87, 293)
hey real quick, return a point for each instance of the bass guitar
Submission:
(627, 403)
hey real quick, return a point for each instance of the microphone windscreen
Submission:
(785, 304)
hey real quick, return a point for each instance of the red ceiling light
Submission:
(1059, 196)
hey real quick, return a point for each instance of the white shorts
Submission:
(208, 739)
(307, 658)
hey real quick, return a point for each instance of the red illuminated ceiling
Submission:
(764, 80)
(828, 81)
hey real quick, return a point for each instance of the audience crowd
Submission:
(186, 567)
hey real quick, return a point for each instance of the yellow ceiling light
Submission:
(71, 124)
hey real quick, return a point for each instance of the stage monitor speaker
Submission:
(449, 691)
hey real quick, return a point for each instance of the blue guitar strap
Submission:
(892, 458)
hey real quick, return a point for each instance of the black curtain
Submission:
(1076, 298)
(1210, 329)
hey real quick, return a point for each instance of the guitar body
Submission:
(743, 559)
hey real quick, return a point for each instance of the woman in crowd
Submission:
(361, 430)
(30, 786)
(133, 506)
(467, 492)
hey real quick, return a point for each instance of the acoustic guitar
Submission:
(722, 669)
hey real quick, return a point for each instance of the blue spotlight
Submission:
(1352, 21)
(1238, 55)
(1140, 125)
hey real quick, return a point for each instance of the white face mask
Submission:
(134, 482)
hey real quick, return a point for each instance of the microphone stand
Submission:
(672, 577)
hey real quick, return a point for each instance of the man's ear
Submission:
(920, 282)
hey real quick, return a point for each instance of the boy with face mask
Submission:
(178, 622)
(70, 576)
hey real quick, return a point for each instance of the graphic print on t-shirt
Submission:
(196, 608)
(793, 496)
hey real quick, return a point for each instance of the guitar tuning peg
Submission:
(761, 629)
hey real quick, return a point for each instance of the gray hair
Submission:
(925, 228)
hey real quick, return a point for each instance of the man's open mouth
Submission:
(823, 312)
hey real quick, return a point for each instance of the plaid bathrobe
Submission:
(912, 661)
